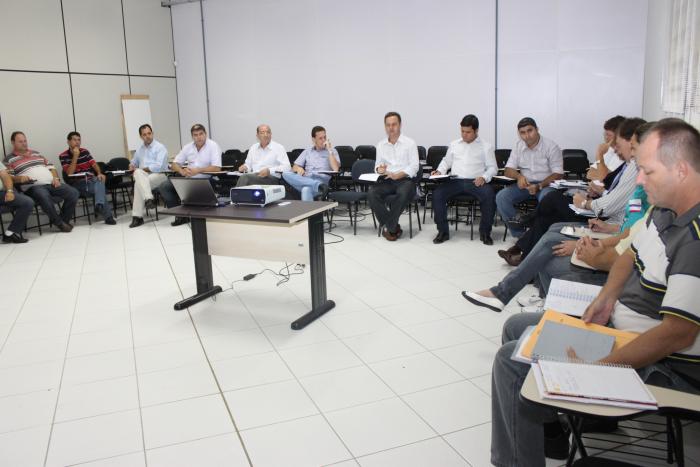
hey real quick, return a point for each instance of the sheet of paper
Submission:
(370, 177)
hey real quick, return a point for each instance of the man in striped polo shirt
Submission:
(40, 181)
(76, 160)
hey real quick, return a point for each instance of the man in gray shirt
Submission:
(307, 175)
(540, 162)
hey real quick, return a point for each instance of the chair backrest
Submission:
(366, 151)
(119, 163)
(421, 153)
(294, 155)
(435, 155)
(348, 156)
(362, 166)
(232, 157)
(502, 156)
(576, 161)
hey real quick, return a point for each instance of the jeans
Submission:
(23, 206)
(144, 183)
(403, 190)
(552, 208)
(255, 179)
(484, 193)
(517, 435)
(43, 196)
(97, 188)
(306, 184)
(541, 263)
(507, 198)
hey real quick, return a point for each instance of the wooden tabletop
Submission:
(284, 212)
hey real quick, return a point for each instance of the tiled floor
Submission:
(97, 369)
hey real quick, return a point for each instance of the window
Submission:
(681, 95)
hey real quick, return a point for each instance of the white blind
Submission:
(681, 95)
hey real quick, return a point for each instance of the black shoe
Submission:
(150, 203)
(65, 227)
(398, 232)
(322, 192)
(486, 239)
(441, 237)
(14, 238)
(135, 222)
(180, 221)
(514, 250)
(557, 447)
(99, 210)
(110, 221)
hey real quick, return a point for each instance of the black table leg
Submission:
(319, 302)
(202, 266)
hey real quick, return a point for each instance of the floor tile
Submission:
(383, 345)
(471, 359)
(291, 441)
(24, 448)
(236, 344)
(451, 407)
(217, 451)
(407, 314)
(251, 370)
(33, 351)
(99, 367)
(169, 355)
(440, 334)
(378, 426)
(355, 323)
(136, 459)
(97, 398)
(268, 404)
(186, 420)
(175, 384)
(319, 358)
(27, 410)
(415, 372)
(283, 336)
(30, 378)
(430, 452)
(474, 444)
(345, 388)
(95, 438)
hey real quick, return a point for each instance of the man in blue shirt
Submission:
(306, 175)
(149, 162)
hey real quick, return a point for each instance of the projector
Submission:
(257, 195)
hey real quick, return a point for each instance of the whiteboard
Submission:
(136, 110)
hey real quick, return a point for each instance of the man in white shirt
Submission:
(473, 163)
(266, 161)
(149, 164)
(200, 156)
(397, 163)
(539, 161)
(606, 159)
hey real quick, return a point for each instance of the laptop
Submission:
(197, 192)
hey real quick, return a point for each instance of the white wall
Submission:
(51, 84)
(189, 53)
(343, 65)
(658, 28)
(570, 65)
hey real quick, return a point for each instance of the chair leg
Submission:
(473, 218)
(38, 221)
(418, 217)
(410, 223)
(456, 216)
(354, 224)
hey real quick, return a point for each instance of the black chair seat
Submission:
(347, 196)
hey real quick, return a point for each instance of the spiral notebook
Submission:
(571, 298)
(592, 383)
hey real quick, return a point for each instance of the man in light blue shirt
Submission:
(149, 162)
(307, 174)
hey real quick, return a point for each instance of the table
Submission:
(282, 231)
(671, 403)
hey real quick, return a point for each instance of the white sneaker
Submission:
(532, 309)
(532, 300)
(487, 302)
